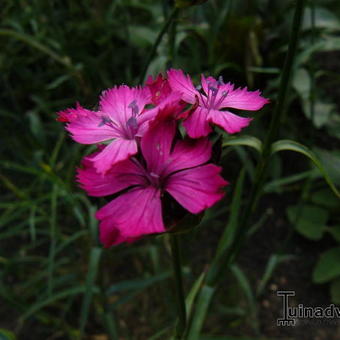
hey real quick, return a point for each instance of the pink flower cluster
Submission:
(141, 158)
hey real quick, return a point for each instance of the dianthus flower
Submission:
(166, 165)
(120, 121)
(209, 104)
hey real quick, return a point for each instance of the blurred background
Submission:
(55, 280)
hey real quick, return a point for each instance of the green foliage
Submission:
(327, 268)
(309, 220)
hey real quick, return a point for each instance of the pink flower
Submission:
(208, 104)
(121, 119)
(175, 167)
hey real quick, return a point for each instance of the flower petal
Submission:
(121, 176)
(170, 108)
(136, 213)
(183, 84)
(188, 154)
(159, 88)
(118, 150)
(197, 189)
(116, 102)
(86, 127)
(228, 121)
(157, 141)
(110, 236)
(244, 100)
(196, 124)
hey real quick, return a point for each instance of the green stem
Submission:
(176, 261)
(157, 42)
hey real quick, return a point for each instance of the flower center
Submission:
(214, 96)
(150, 177)
(155, 180)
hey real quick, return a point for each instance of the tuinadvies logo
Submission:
(291, 314)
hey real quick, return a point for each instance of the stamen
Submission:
(224, 94)
(134, 108)
(105, 120)
(213, 89)
(198, 87)
(132, 126)
(220, 81)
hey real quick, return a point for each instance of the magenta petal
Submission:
(188, 154)
(198, 188)
(244, 100)
(121, 176)
(182, 83)
(228, 121)
(156, 144)
(116, 102)
(110, 236)
(196, 124)
(136, 213)
(86, 127)
(118, 150)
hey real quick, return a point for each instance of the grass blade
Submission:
(53, 240)
(95, 256)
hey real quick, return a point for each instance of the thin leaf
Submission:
(137, 284)
(277, 183)
(193, 293)
(289, 145)
(59, 296)
(246, 288)
(251, 141)
(273, 262)
(53, 240)
(201, 309)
